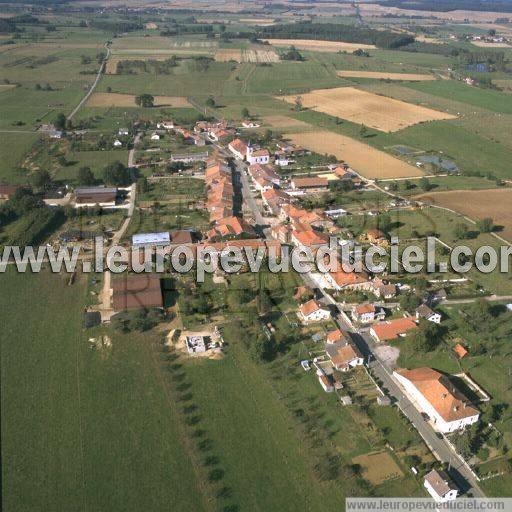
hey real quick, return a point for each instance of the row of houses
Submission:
(219, 189)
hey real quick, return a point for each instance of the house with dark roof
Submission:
(440, 486)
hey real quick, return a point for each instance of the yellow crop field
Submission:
(367, 161)
(373, 110)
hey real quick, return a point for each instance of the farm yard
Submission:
(369, 162)
(379, 112)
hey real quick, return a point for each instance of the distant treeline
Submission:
(178, 29)
(450, 5)
(334, 32)
(116, 27)
(11, 24)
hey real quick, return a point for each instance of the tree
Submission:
(263, 349)
(384, 223)
(461, 231)
(142, 184)
(426, 337)
(425, 184)
(86, 176)
(60, 121)
(298, 103)
(117, 174)
(41, 180)
(245, 113)
(409, 302)
(480, 315)
(485, 225)
(145, 100)
(210, 102)
(363, 130)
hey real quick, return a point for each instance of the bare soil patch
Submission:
(315, 45)
(414, 77)
(367, 161)
(378, 467)
(113, 99)
(477, 204)
(373, 110)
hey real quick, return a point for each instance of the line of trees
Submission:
(334, 32)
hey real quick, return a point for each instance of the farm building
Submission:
(141, 291)
(151, 240)
(309, 183)
(91, 196)
(435, 394)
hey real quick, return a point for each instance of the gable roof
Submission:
(440, 482)
(460, 351)
(361, 309)
(309, 307)
(391, 329)
(440, 392)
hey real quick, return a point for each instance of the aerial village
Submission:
(250, 198)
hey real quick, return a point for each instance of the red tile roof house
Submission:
(309, 239)
(230, 227)
(238, 148)
(342, 280)
(392, 329)
(273, 199)
(313, 311)
(436, 395)
(344, 355)
(367, 313)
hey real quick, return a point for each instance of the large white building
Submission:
(435, 395)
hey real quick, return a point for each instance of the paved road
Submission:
(93, 86)
(440, 447)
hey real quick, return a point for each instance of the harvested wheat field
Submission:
(361, 107)
(367, 161)
(226, 55)
(258, 21)
(315, 45)
(378, 467)
(113, 99)
(412, 77)
(477, 204)
(284, 122)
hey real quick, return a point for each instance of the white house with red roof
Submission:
(436, 395)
